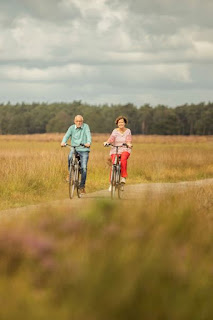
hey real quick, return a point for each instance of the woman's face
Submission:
(121, 123)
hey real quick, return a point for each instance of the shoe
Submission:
(68, 178)
(82, 191)
(123, 180)
(110, 188)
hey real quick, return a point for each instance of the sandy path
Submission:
(136, 191)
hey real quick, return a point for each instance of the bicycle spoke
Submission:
(113, 182)
(78, 180)
(71, 181)
(121, 192)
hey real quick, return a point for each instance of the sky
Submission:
(106, 51)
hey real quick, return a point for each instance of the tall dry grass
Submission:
(116, 261)
(33, 167)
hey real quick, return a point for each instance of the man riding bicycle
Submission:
(79, 133)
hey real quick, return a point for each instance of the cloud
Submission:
(51, 74)
(127, 50)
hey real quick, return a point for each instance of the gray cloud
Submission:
(54, 11)
(106, 51)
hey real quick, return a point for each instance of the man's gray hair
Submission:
(79, 116)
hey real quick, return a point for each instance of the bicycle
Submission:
(74, 172)
(115, 178)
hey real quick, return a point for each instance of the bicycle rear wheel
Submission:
(71, 181)
(113, 182)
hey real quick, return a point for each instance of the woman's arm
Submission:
(129, 138)
(111, 138)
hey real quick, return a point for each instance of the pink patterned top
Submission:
(117, 138)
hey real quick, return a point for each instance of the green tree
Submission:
(165, 121)
(146, 118)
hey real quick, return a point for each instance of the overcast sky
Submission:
(99, 51)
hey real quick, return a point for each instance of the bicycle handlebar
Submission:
(123, 145)
(80, 145)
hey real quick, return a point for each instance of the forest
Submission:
(187, 119)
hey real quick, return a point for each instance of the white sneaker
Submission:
(110, 188)
(123, 180)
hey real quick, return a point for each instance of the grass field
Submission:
(33, 167)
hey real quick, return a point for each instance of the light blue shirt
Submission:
(78, 136)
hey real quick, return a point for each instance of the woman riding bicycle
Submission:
(119, 136)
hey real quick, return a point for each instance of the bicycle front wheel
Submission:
(78, 180)
(121, 191)
(113, 182)
(71, 181)
(120, 185)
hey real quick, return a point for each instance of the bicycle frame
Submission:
(116, 174)
(74, 173)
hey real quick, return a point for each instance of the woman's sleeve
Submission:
(129, 137)
(112, 137)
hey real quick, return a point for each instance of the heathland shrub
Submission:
(112, 260)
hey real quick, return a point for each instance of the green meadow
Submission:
(33, 167)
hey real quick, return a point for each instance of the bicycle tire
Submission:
(78, 180)
(121, 191)
(120, 186)
(71, 181)
(113, 182)
(118, 174)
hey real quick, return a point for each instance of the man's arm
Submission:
(129, 139)
(67, 135)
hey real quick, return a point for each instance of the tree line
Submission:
(193, 119)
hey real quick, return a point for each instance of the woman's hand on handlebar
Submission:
(106, 143)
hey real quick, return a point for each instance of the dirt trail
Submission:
(132, 192)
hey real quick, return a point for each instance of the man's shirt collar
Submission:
(79, 127)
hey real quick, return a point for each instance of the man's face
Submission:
(78, 122)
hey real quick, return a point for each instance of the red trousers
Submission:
(124, 156)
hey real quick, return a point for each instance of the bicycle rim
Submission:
(71, 182)
(113, 183)
(120, 185)
(121, 191)
(78, 178)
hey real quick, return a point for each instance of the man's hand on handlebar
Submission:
(87, 145)
(63, 144)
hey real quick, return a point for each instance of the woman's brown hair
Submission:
(121, 117)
